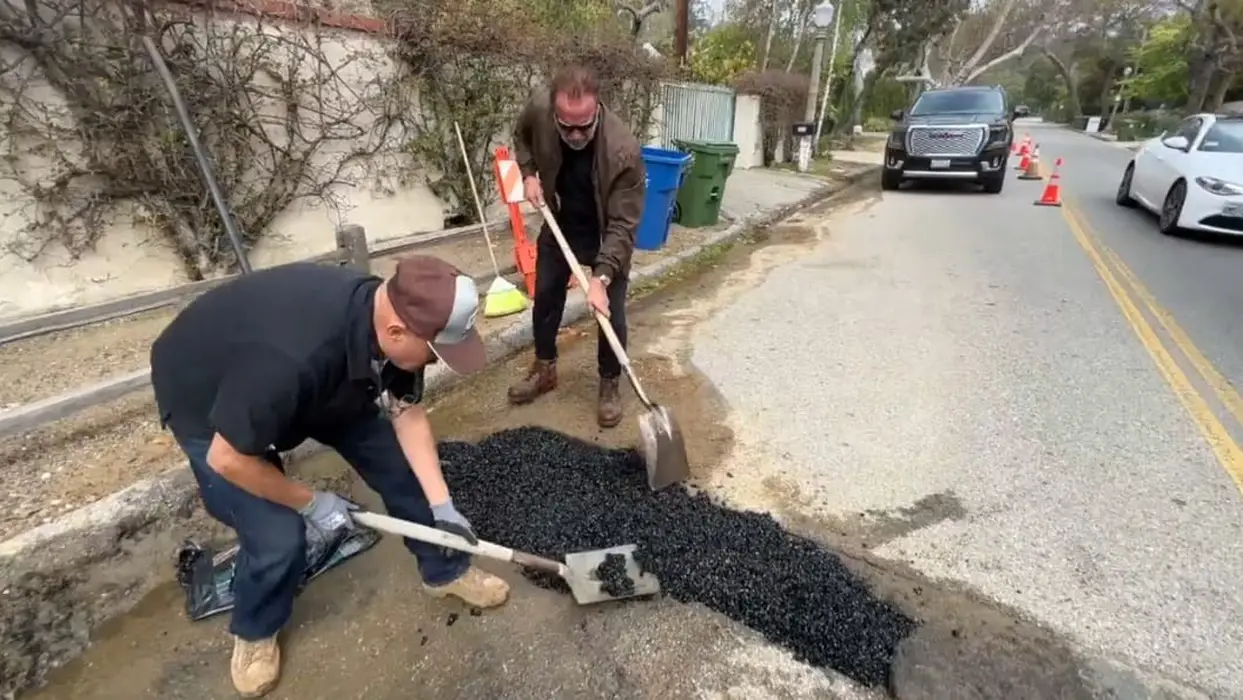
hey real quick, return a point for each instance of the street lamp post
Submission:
(821, 18)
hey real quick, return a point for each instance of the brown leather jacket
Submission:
(619, 177)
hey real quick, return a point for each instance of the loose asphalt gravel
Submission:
(563, 495)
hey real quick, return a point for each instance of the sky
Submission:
(715, 7)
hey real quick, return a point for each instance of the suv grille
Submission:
(945, 141)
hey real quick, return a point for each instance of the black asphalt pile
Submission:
(550, 494)
(611, 573)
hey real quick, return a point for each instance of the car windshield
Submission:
(958, 102)
(1224, 137)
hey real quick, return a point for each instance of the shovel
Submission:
(663, 449)
(578, 571)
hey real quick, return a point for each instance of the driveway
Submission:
(938, 387)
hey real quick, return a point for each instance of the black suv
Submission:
(960, 133)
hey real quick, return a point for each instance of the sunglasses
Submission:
(584, 129)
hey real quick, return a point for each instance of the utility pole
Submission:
(681, 31)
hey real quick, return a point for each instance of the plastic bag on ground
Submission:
(206, 576)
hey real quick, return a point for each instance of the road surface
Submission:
(990, 352)
(967, 396)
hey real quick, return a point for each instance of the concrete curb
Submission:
(61, 580)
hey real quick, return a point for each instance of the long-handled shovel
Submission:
(663, 449)
(579, 569)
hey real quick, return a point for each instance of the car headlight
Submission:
(896, 139)
(1219, 187)
(998, 135)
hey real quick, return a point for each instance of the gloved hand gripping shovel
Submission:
(579, 569)
(663, 449)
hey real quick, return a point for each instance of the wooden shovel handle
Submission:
(431, 535)
(540, 563)
(605, 326)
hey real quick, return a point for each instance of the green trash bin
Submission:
(699, 198)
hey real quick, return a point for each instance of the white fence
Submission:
(696, 112)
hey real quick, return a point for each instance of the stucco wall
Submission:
(130, 257)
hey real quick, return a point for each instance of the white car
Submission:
(1191, 177)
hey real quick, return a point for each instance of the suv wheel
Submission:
(994, 183)
(890, 179)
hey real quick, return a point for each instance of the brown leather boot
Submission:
(540, 379)
(609, 412)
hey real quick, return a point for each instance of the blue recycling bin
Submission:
(665, 171)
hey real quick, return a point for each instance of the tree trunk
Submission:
(856, 114)
(772, 31)
(1223, 80)
(1107, 89)
(850, 97)
(1201, 84)
(999, 22)
(798, 41)
(1073, 109)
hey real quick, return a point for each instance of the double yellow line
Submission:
(1126, 288)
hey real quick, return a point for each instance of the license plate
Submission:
(1235, 210)
(941, 163)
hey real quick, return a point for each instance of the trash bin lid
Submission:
(724, 148)
(664, 156)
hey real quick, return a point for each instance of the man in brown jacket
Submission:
(582, 159)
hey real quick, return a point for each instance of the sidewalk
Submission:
(93, 505)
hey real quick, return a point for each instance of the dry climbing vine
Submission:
(476, 61)
(290, 112)
(88, 134)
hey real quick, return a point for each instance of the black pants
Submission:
(552, 274)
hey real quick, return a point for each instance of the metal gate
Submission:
(697, 112)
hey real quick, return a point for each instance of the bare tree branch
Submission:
(1011, 54)
(982, 50)
(638, 15)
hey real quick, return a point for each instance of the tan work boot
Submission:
(256, 666)
(476, 588)
(540, 379)
(609, 410)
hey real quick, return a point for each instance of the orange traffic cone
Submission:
(1024, 162)
(1032, 171)
(1052, 196)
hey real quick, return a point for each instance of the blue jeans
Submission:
(271, 559)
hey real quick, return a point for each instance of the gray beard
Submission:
(577, 147)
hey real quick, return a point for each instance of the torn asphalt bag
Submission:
(207, 576)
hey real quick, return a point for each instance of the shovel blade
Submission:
(587, 588)
(663, 449)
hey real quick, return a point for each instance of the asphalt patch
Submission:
(611, 573)
(550, 494)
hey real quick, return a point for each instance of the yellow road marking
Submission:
(1224, 447)
(1221, 386)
